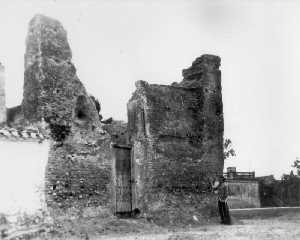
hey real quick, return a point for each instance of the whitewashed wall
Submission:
(22, 168)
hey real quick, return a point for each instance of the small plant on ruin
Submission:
(59, 132)
(97, 105)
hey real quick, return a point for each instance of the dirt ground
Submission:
(282, 227)
(260, 224)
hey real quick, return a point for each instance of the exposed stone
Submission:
(201, 66)
(77, 171)
(177, 135)
(118, 131)
(15, 116)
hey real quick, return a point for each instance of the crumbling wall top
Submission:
(205, 63)
(46, 37)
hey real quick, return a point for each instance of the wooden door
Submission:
(123, 195)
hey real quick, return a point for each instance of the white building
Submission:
(24, 154)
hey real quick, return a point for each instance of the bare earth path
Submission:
(284, 227)
(260, 224)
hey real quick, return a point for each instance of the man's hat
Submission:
(222, 179)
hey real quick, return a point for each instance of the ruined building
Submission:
(176, 133)
(168, 154)
(77, 170)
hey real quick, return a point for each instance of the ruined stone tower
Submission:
(177, 136)
(77, 171)
(2, 95)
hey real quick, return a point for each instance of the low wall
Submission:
(22, 169)
(270, 212)
(243, 193)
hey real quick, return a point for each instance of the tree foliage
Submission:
(296, 165)
(228, 149)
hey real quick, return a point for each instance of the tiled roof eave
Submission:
(26, 135)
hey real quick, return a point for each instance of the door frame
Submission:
(115, 146)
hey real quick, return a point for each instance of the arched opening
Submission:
(81, 111)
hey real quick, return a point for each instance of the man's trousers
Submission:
(224, 212)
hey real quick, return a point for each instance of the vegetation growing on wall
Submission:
(59, 132)
(97, 105)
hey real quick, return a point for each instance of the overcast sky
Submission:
(116, 43)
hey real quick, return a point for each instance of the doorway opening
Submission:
(123, 181)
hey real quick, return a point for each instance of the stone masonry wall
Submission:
(78, 171)
(177, 134)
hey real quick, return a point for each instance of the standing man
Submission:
(221, 189)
